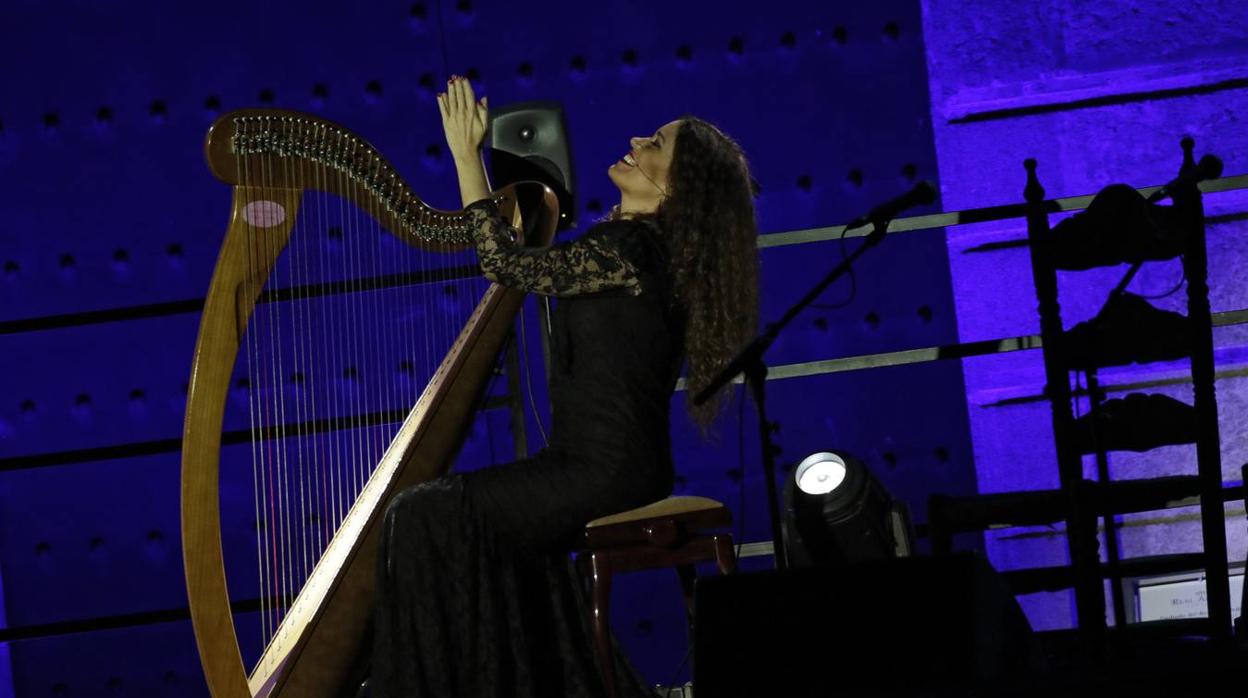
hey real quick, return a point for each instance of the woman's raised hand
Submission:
(464, 118)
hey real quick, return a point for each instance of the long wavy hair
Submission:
(708, 220)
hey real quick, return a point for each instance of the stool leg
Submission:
(600, 564)
(725, 558)
(688, 575)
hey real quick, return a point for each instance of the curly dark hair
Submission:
(708, 219)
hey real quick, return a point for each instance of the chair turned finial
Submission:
(1033, 192)
(1188, 144)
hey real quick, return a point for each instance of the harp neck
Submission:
(279, 149)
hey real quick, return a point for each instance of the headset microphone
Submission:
(651, 181)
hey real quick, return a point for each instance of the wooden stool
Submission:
(675, 532)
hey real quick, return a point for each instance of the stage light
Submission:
(837, 513)
(819, 473)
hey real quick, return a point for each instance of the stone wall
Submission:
(1098, 92)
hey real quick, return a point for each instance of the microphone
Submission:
(650, 180)
(922, 193)
(1209, 167)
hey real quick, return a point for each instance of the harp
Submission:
(341, 354)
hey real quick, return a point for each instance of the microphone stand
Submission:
(750, 362)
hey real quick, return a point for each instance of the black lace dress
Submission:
(477, 593)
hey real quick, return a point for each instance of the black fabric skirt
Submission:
(477, 594)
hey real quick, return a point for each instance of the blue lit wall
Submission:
(1098, 92)
(107, 204)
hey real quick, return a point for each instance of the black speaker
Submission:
(529, 141)
(910, 626)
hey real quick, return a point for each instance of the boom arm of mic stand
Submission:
(759, 345)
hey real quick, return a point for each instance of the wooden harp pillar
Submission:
(273, 159)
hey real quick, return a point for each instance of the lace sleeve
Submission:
(589, 264)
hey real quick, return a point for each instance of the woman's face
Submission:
(642, 172)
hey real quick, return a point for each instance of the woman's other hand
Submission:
(464, 119)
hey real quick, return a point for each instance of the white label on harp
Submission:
(264, 214)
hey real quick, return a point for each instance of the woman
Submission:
(477, 595)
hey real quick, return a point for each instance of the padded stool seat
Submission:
(659, 523)
(674, 532)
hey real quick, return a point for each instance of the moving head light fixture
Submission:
(837, 514)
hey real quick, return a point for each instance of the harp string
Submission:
(386, 351)
(425, 307)
(278, 445)
(342, 435)
(284, 315)
(374, 338)
(291, 397)
(362, 388)
(335, 351)
(310, 473)
(251, 346)
(323, 359)
(350, 442)
(364, 341)
(270, 448)
(256, 387)
(349, 388)
(407, 363)
(301, 386)
(325, 354)
(290, 403)
(320, 351)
